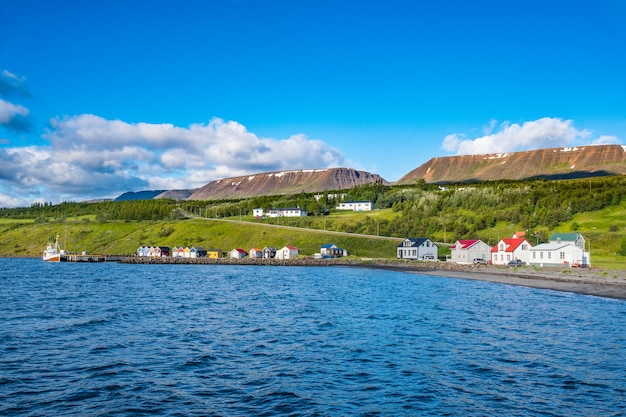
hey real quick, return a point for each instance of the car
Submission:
(516, 262)
(427, 257)
(479, 261)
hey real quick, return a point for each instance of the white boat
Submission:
(53, 252)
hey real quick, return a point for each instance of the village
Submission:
(563, 249)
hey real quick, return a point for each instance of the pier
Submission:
(84, 257)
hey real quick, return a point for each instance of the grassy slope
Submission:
(29, 239)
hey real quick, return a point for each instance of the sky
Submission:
(101, 97)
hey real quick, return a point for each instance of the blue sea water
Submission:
(203, 340)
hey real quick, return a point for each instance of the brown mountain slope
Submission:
(542, 163)
(284, 182)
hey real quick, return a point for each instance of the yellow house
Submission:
(214, 253)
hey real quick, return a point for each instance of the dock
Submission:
(84, 257)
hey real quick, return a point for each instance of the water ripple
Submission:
(133, 340)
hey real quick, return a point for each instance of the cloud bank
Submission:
(88, 156)
(537, 134)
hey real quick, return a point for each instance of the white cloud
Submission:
(542, 133)
(606, 140)
(91, 157)
(9, 110)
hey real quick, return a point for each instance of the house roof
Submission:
(414, 241)
(565, 236)
(291, 247)
(239, 250)
(464, 244)
(328, 246)
(511, 244)
(553, 246)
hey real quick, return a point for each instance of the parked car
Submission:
(516, 262)
(479, 261)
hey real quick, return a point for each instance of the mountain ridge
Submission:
(548, 163)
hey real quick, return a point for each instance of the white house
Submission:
(559, 254)
(466, 250)
(256, 253)
(330, 250)
(287, 252)
(257, 213)
(510, 249)
(237, 253)
(418, 248)
(287, 212)
(355, 205)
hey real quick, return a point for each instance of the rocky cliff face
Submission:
(554, 163)
(284, 182)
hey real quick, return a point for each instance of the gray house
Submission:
(418, 248)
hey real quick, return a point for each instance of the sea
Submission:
(109, 339)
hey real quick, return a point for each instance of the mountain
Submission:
(284, 182)
(553, 163)
(139, 195)
(176, 194)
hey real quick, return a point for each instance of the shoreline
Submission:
(609, 284)
(587, 281)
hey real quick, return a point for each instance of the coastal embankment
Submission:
(590, 281)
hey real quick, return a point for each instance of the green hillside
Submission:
(595, 207)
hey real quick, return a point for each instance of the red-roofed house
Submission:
(288, 252)
(509, 249)
(466, 250)
(237, 253)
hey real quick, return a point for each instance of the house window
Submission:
(562, 255)
(534, 255)
(524, 247)
(540, 255)
(414, 252)
(549, 255)
(508, 257)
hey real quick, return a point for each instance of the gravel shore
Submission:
(590, 281)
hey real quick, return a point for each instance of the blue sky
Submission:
(102, 97)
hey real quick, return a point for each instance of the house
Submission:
(257, 213)
(510, 249)
(193, 252)
(418, 248)
(287, 212)
(142, 251)
(214, 253)
(256, 253)
(330, 250)
(162, 251)
(559, 254)
(181, 252)
(356, 205)
(237, 253)
(200, 252)
(287, 252)
(576, 239)
(464, 251)
(269, 252)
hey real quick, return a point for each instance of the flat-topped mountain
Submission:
(553, 163)
(284, 182)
